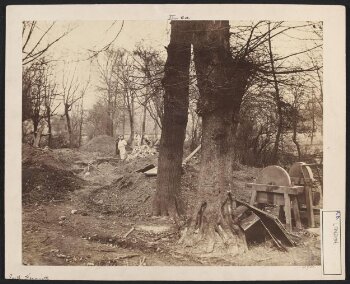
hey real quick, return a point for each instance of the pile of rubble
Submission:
(141, 152)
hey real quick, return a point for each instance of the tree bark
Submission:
(278, 102)
(221, 82)
(295, 131)
(176, 100)
(48, 114)
(124, 120)
(81, 122)
(69, 126)
(35, 126)
(131, 119)
(143, 125)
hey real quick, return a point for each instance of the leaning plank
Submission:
(271, 222)
(189, 157)
(145, 169)
(152, 172)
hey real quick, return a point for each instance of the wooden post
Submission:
(296, 212)
(309, 206)
(253, 198)
(287, 212)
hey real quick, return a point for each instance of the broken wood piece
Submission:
(238, 212)
(129, 232)
(272, 223)
(189, 157)
(276, 241)
(142, 261)
(125, 256)
(248, 222)
(151, 172)
(146, 168)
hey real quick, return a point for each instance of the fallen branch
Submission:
(142, 261)
(125, 256)
(164, 236)
(129, 232)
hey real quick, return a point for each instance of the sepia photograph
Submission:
(172, 142)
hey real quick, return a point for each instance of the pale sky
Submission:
(94, 35)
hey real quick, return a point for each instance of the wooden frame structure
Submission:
(286, 196)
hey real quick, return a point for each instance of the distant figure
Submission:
(121, 147)
(148, 141)
(137, 139)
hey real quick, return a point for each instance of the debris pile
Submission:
(141, 152)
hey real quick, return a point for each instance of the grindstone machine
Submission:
(297, 193)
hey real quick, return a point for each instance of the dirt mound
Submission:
(36, 156)
(128, 195)
(103, 144)
(131, 193)
(41, 184)
(45, 177)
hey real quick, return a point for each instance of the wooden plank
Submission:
(253, 198)
(189, 157)
(309, 206)
(287, 212)
(249, 221)
(275, 188)
(296, 212)
(271, 222)
(269, 198)
(152, 172)
(145, 169)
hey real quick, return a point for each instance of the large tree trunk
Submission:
(176, 99)
(221, 82)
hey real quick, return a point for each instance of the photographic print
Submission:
(174, 142)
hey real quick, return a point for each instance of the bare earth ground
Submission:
(72, 216)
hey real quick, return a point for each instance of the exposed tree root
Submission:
(213, 230)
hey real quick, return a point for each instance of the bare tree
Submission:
(222, 82)
(129, 92)
(36, 40)
(70, 96)
(110, 83)
(151, 69)
(50, 103)
(35, 89)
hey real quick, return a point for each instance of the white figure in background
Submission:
(137, 139)
(121, 147)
